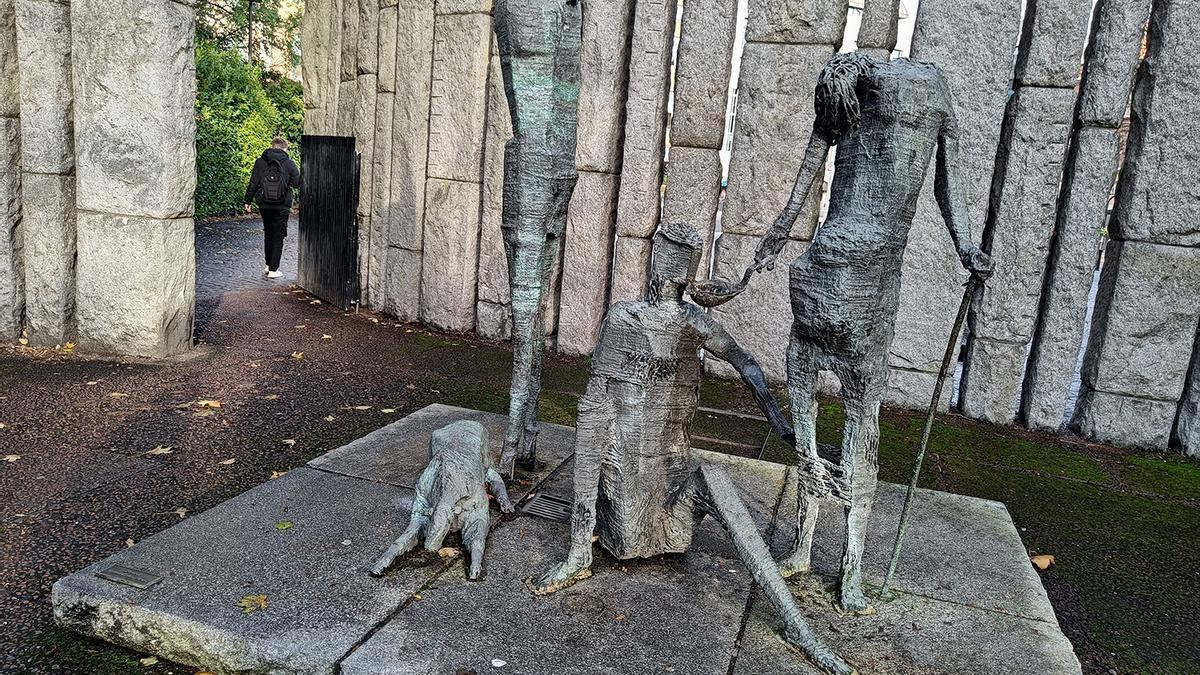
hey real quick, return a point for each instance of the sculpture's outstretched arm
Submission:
(721, 345)
(418, 520)
(951, 196)
(496, 483)
(812, 166)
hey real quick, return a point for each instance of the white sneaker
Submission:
(266, 268)
(274, 274)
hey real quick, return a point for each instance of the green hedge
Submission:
(239, 109)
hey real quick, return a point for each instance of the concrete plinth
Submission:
(968, 599)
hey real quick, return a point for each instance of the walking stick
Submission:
(973, 286)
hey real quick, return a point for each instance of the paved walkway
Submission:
(99, 453)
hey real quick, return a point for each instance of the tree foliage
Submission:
(239, 109)
(235, 24)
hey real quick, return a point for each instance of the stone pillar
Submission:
(591, 217)
(972, 42)
(410, 144)
(702, 70)
(457, 118)
(1187, 424)
(12, 273)
(135, 163)
(878, 28)
(366, 91)
(493, 318)
(1025, 188)
(638, 202)
(788, 43)
(1112, 56)
(48, 165)
(1146, 316)
(320, 30)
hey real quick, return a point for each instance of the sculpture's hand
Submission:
(506, 505)
(576, 567)
(768, 250)
(977, 262)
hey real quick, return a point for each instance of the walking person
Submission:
(274, 177)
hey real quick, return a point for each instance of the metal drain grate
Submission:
(129, 576)
(549, 507)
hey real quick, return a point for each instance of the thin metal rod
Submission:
(973, 286)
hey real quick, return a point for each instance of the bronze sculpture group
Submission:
(638, 491)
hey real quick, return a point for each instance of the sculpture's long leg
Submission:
(474, 536)
(527, 451)
(592, 436)
(524, 251)
(720, 496)
(860, 457)
(802, 390)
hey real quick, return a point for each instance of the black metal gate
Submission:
(329, 219)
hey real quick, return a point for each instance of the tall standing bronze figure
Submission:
(539, 43)
(887, 119)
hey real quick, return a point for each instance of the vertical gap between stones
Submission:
(731, 100)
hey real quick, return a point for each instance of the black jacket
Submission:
(291, 171)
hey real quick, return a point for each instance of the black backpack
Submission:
(274, 183)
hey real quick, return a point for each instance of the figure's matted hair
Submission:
(836, 98)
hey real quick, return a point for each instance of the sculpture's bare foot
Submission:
(476, 569)
(387, 560)
(794, 564)
(559, 577)
(823, 657)
(854, 602)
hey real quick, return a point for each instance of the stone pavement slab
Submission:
(968, 600)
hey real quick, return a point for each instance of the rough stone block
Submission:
(12, 273)
(1158, 199)
(388, 38)
(761, 318)
(1112, 56)
(1052, 42)
(604, 76)
(586, 262)
(645, 118)
(48, 223)
(1024, 210)
(44, 50)
(702, 70)
(368, 36)
(1083, 209)
(465, 6)
(402, 294)
(347, 100)
(796, 21)
(410, 125)
(10, 78)
(448, 275)
(493, 262)
(135, 284)
(693, 192)
(914, 388)
(366, 94)
(631, 269)
(381, 197)
(774, 121)
(458, 107)
(1144, 323)
(349, 39)
(878, 27)
(493, 321)
(1126, 421)
(949, 33)
(135, 100)
(320, 28)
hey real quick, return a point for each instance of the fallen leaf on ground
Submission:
(327, 336)
(1042, 561)
(277, 474)
(619, 617)
(387, 410)
(209, 403)
(128, 543)
(499, 663)
(300, 326)
(297, 355)
(148, 661)
(283, 525)
(161, 450)
(93, 383)
(289, 441)
(374, 320)
(315, 302)
(203, 413)
(11, 458)
(181, 512)
(228, 461)
(447, 552)
(270, 397)
(410, 386)
(69, 347)
(117, 394)
(330, 418)
(362, 407)
(252, 603)
(3, 425)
